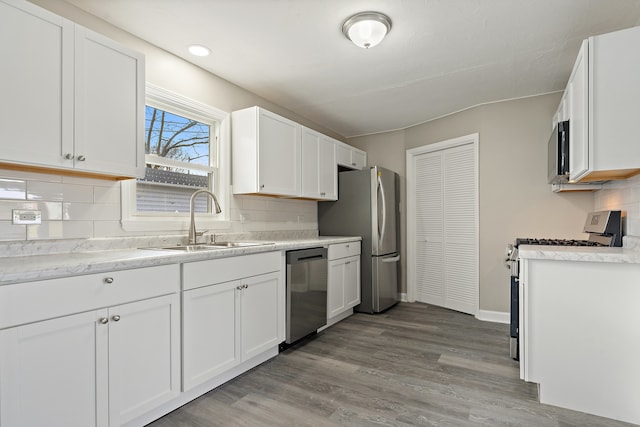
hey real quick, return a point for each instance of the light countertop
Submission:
(580, 253)
(48, 266)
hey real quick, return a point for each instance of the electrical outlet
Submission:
(26, 217)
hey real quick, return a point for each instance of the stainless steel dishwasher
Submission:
(306, 292)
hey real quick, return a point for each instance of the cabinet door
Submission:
(327, 169)
(310, 164)
(109, 101)
(259, 314)
(319, 166)
(343, 155)
(54, 373)
(210, 332)
(352, 282)
(144, 356)
(578, 110)
(336, 288)
(358, 159)
(279, 155)
(36, 112)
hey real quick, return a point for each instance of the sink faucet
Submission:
(192, 224)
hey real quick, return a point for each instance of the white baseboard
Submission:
(403, 297)
(493, 316)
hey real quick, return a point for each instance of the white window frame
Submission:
(133, 220)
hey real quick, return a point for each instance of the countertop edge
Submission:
(580, 254)
(44, 267)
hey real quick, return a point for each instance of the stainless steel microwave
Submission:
(558, 171)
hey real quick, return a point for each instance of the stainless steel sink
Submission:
(239, 244)
(188, 248)
(210, 246)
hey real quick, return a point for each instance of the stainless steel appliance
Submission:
(306, 292)
(558, 171)
(604, 228)
(367, 206)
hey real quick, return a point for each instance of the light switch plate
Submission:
(27, 217)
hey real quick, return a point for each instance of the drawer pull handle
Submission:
(108, 280)
(69, 156)
(347, 263)
(103, 320)
(81, 158)
(115, 317)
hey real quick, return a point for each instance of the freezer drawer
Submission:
(384, 282)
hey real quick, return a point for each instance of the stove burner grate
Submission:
(556, 242)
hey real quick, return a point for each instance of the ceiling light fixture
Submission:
(366, 29)
(199, 50)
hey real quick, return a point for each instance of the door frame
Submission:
(473, 139)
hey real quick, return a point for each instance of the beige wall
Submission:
(515, 200)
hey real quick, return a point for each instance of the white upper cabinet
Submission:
(36, 112)
(76, 104)
(109, 106)
(266, 153)
(603, 108)
(275, 156)
(350, 157)
(319, 166)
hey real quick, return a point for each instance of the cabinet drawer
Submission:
(343, 250)
(209, 272)
(33, 301)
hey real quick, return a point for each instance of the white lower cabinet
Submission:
(343, 287)
(99, 368)
(144, 357)
(225, 324)
(55, 373)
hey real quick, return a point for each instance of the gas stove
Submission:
(604, 229)
(556, 242)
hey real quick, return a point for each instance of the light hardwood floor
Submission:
(414, 365)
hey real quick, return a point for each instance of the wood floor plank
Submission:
(414, 365)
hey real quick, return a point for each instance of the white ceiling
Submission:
(441, 56)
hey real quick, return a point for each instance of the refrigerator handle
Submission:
(384, 211)
(391, 259)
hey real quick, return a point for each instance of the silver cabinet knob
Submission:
(239, 287)
(69, 156)
(108, 280)
(103, 320)
(262, 186)
(81, 158)
(347, 263)
(246, 286)
(115, 317)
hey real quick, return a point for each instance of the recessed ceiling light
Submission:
(367, 29)
(199, 50)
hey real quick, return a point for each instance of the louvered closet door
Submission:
(429, 251)
(445, 224)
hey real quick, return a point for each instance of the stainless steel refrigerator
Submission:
(367, 206)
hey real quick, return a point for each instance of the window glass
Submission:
(180, 159)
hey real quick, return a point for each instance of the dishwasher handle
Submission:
(306, 255)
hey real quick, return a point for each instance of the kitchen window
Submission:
(185, 146)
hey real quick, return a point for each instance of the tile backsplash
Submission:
(77, 208)
(625, 196)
